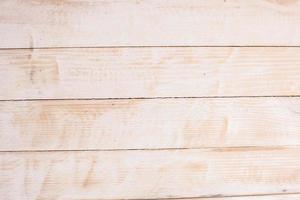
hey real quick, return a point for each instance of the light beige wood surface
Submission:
(77, 23)
(149, 99)
(149, 123)
(148, 72)
(149, 174)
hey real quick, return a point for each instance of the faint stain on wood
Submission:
(249, 149)
(285, 2)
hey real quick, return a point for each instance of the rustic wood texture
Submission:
(69, 23)
(149, 99)
(149, 174)
(149, 123)
(148, 72)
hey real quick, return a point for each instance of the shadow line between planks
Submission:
(153, 98)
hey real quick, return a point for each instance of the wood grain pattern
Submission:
(150, 123)
(148, 72)
(149, 174)
(69, 23)
(148, 99)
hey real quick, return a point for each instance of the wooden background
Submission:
(149, 99)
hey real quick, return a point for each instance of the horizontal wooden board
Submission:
(148, 72)
(54, 23)
(149, 174)
(149, 123)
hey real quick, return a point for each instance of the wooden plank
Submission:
(148, 72)
(53, 23)
(149, 123)
(149, 174)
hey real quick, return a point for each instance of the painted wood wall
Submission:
(148, 99)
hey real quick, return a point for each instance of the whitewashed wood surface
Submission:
(149, 72)
(149, 99)
(154, 174)
(77, 23)
(149, 123)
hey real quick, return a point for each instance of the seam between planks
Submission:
(250, 148)
(228, 196)
(153, 98)
(154, 46)
(212, 196)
